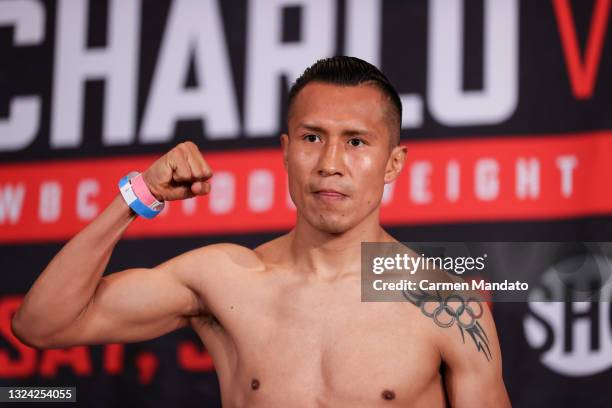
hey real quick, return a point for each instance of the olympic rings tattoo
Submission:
(445, 315)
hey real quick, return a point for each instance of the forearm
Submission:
(67, 285)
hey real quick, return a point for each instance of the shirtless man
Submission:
(284, 323)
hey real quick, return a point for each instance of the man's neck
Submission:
(331, 256)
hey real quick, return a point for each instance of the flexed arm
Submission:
(71, 303)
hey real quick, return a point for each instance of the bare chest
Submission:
(319, 346)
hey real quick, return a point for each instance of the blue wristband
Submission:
(132, 200)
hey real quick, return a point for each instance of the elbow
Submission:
(20, 331)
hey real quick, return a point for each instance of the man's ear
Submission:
(395, 163)
(284, 139)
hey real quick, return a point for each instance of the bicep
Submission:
(141, 304)
(133, 305)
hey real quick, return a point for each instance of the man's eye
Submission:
(356, 142)
(311, 138)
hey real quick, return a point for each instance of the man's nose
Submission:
(331, 159)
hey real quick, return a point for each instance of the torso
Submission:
(281, 338)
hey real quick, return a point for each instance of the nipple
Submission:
(388, 395)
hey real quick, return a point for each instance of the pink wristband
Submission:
(142, 191)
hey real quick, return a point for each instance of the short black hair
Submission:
(348, 71)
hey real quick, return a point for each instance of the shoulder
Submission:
(471, 337)
(471, 357)
(219, 259)
(240, 257)
(227, 254)
(275, 250)
(462, 329)
(462, 322)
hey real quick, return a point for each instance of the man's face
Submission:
(338, 154)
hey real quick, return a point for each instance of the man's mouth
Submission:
(329, 194)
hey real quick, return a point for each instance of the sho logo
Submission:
(569, 316)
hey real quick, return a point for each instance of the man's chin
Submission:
(331, 226)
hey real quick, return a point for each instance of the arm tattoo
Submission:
(445, 315)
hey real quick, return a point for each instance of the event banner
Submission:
(506, 106)
(506, 118)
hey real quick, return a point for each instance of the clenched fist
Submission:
(181, 173)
